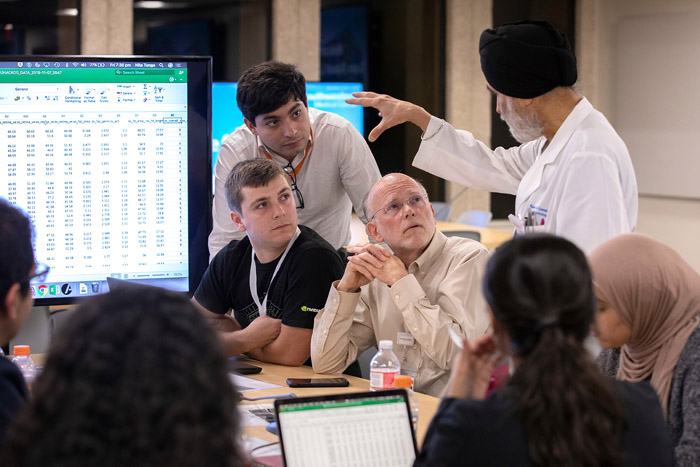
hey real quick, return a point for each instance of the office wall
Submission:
(467, 102)
(673, 221)
(296, 32)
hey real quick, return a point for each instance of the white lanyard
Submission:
(253, 276)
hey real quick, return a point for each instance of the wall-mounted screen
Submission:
(111, 158)
(323, 96)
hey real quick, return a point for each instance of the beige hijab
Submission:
(657, 294)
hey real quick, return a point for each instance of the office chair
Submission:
(474, 235)
(442, 210)
(476, 218)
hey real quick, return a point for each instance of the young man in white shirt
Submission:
(572, 176)
(328, 162)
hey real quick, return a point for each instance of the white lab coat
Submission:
(581, 186)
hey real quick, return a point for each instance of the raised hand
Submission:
(393, 111)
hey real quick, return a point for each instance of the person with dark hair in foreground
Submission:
(17, 268)
(571, 176)
(131, 380)
(326, 159)
(647, 322)
(557, 409)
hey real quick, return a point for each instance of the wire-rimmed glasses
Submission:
(394, 207)
(299, 198)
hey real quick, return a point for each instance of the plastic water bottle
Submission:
(25, 363)
(383, 367)
(406, 382)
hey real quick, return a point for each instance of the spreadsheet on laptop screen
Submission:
(368, 431)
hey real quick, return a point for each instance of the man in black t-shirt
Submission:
(275, 301)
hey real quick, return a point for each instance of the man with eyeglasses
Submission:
(411, 295)
(328, 162)
(17, 268)
(275, 279)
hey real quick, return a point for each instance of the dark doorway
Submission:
(405, 57)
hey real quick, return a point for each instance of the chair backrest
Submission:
(476, 218)
(442, 210)
(474, 235)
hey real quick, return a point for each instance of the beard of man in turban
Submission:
(523, 123)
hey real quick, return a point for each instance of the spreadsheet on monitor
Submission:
(96, 153)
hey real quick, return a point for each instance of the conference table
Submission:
(491, 238)
(278, 374)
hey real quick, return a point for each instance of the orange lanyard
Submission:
(297, 169)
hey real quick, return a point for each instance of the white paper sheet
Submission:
(244, 384)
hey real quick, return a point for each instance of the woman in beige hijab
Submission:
(647, 320)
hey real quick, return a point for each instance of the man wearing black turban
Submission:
(572, 174)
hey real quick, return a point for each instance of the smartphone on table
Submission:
(317, 382)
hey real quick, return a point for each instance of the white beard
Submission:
(523, 127)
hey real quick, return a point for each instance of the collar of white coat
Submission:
(532, 179)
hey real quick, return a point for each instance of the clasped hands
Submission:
(371, 261)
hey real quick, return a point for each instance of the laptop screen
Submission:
(368, 429)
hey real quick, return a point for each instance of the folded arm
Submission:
(235, 341)
(291, 347)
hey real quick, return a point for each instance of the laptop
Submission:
(350, 429)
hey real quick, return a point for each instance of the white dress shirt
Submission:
(337, 174)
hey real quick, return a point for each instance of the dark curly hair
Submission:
(16, 250)
(540, 291)
(133, 379)
(267, 86)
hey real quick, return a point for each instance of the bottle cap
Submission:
(21, 350)
(403, 381)
(387, 344)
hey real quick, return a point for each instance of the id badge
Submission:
(405, 338)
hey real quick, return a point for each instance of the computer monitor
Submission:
(111, 158)
(323, 96)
